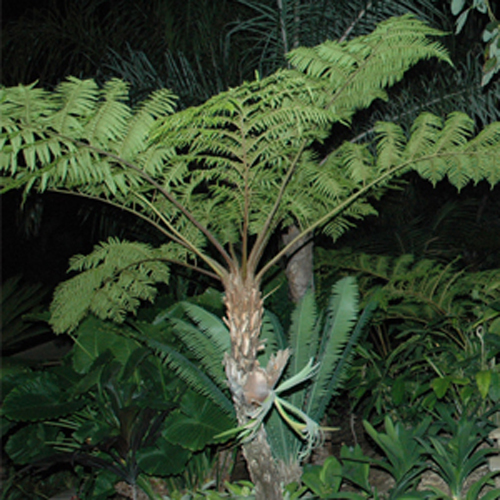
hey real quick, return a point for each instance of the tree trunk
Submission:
(250, 383)
(300, 265)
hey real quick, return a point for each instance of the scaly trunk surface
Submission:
(249, 382)
(300, 265)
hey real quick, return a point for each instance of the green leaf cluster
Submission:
(111, 406)
(225, 175)
(326, 339)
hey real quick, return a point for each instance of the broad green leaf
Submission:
(30, 443)
(483, 381)
(440, 386)
(94, 337)
(163, 459)
(39, 399)
(196, 423)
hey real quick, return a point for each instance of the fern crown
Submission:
(228, 173)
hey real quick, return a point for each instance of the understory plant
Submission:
(433, 338)
(220, 179)
(21, 303)
(320, 346)
(110, 412)
(452, 447)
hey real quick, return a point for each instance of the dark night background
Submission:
(40, 237)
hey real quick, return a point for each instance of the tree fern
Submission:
(229, 163)
(217, 180)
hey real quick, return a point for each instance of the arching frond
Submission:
(190, 373)
(111, 283)
(341, 315)
(232, 170)
(423, 292)
(205, 336)
(360, 69)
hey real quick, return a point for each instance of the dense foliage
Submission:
(218, 181)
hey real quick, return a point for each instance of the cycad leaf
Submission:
(205, 336)
(341, 315)
(191, 374)
(210, 324)
(338, 376)
(303, 334)
(207, 354)
(303, 340)
(272, 336)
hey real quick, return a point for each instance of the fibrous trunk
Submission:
(249, 382)
(300, 264)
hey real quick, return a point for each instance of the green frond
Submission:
(190, 373)
(109, 123)
(303, 339)
(422, 292)
(327, 340)
(272, 336)
(205, 336)
(446, 150)
(112, 282)
(341, 315)
(77, 100)
(241, 144)
(20, 300)
(357, 160)
(303, 335)
(136, 137)
(341, 369)
(423, 134)
(390, 145)
(360, 69)
(73, 137)
(210, 324)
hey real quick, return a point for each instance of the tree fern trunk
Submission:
(300, 265)
(248, 381)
